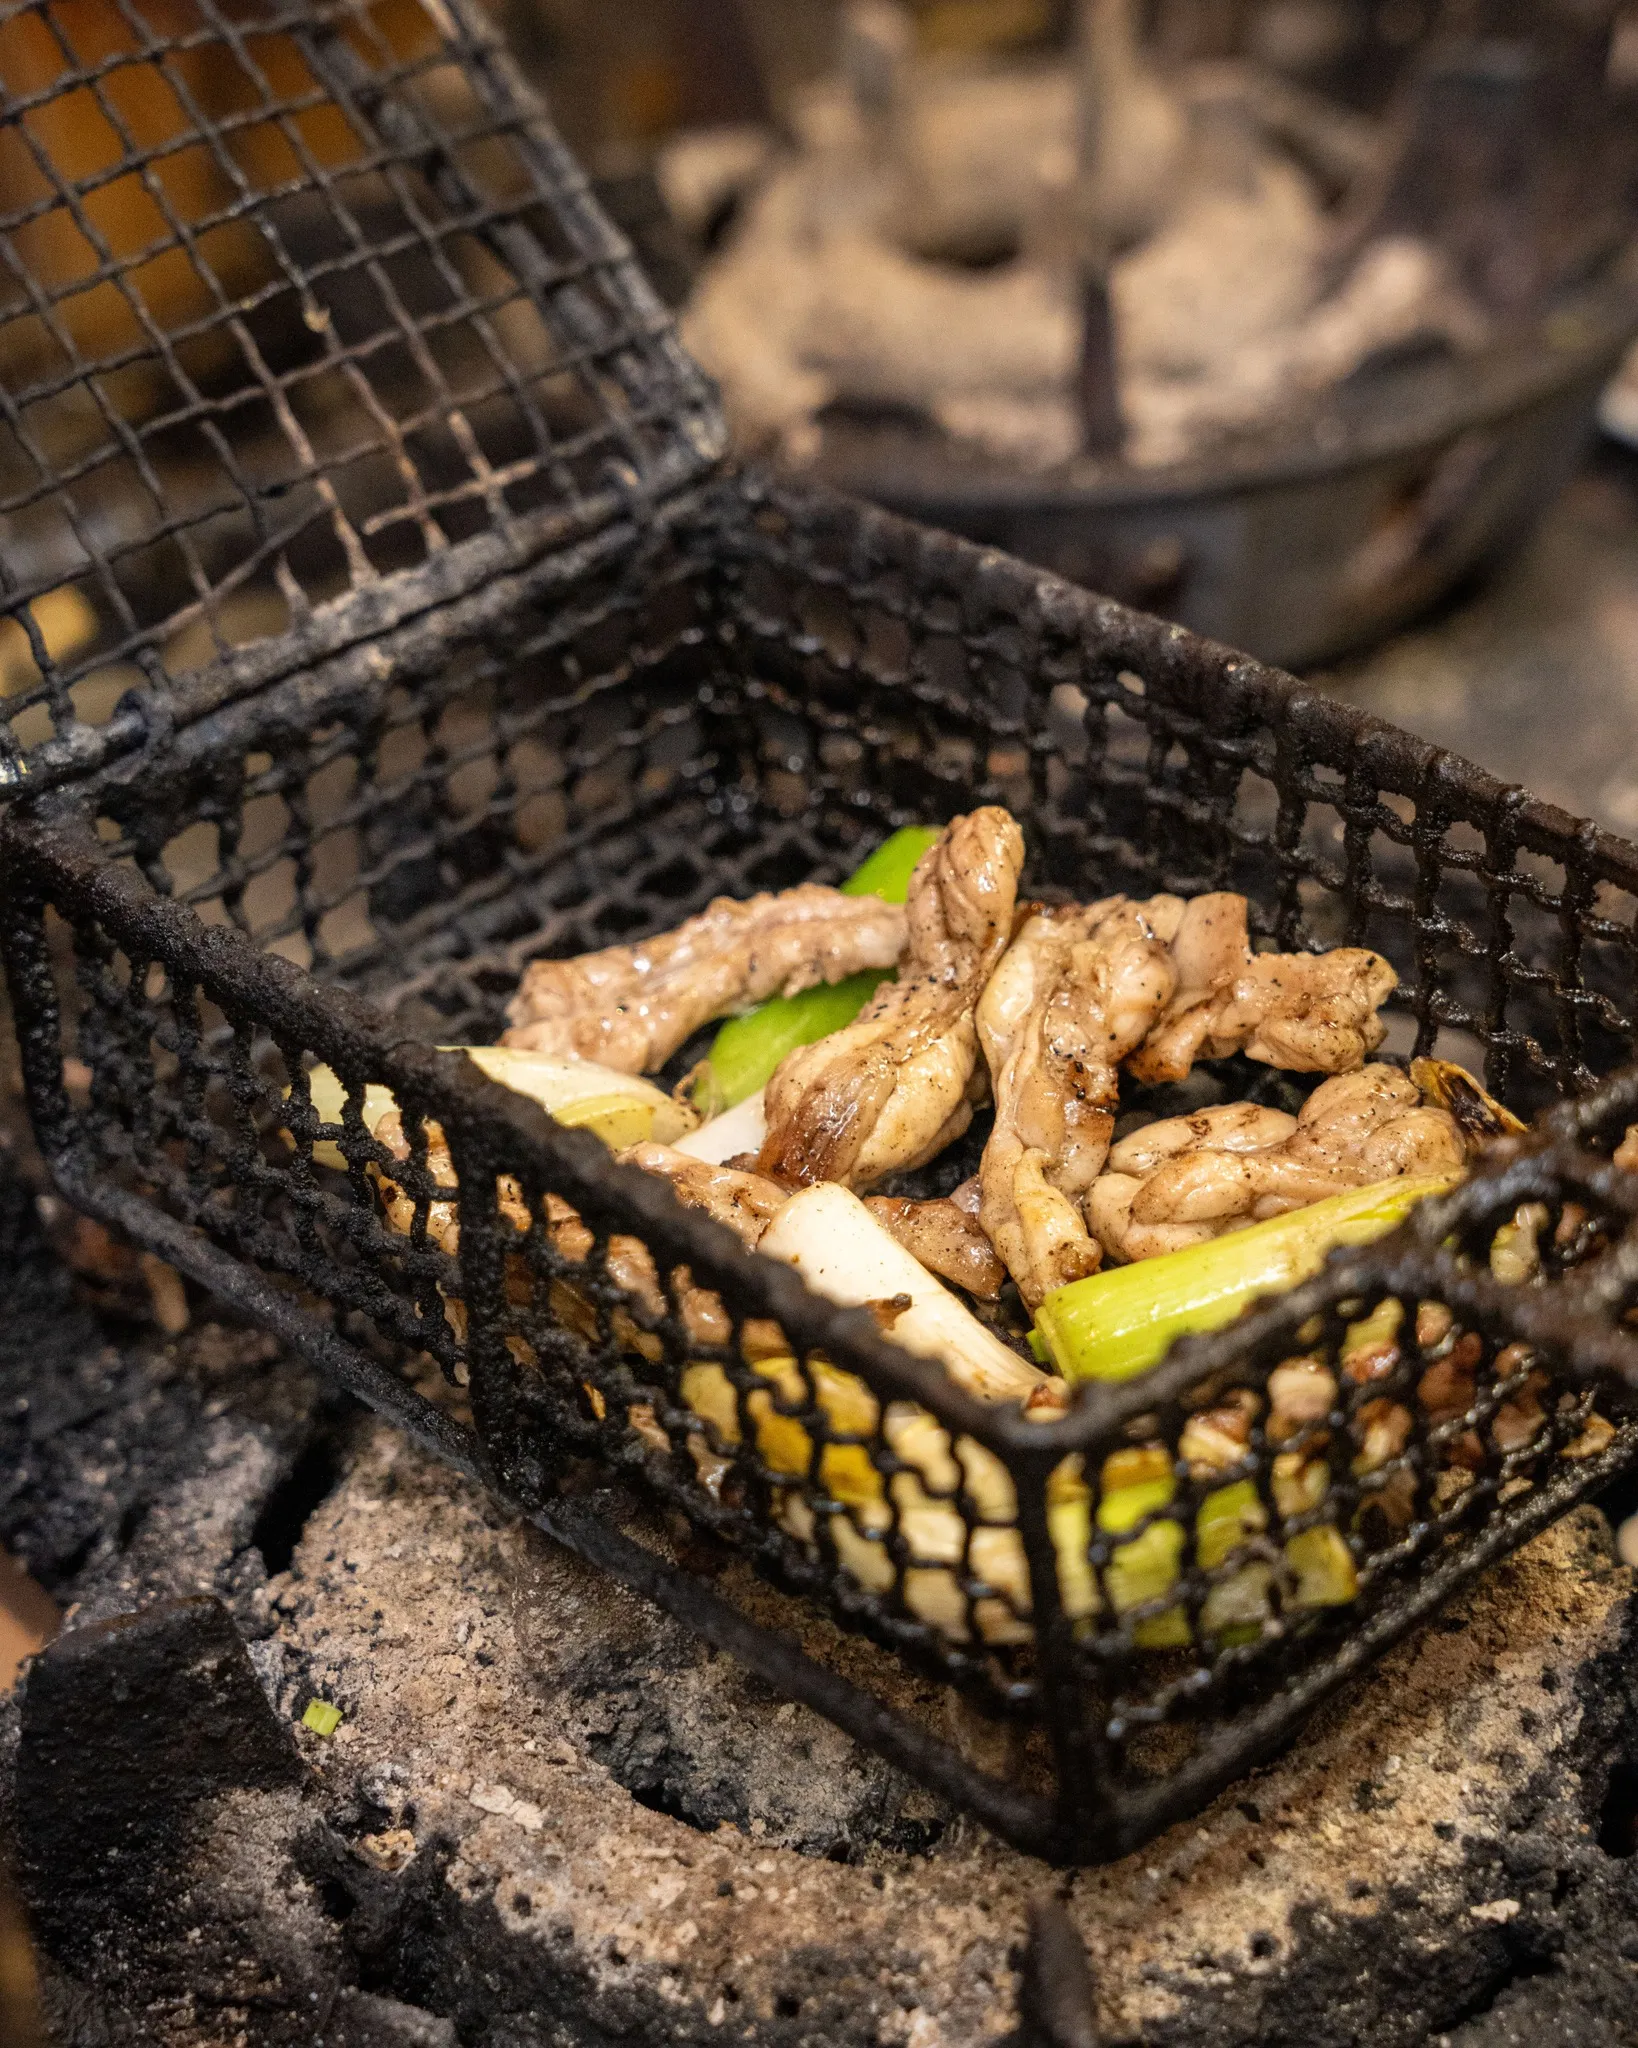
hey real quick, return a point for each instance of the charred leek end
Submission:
(748, 1049)
(1479, 1116)
(621, 1109)
(1118, 1324)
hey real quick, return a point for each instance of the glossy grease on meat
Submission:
(631, 1007)
(1078, 989)
(889, 1091)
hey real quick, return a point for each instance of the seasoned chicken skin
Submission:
(1311, 1013)
(1077, 990)
(889, 1091)
(945, 1238)
(745, 1202)
(630, 1007)
(1193, 1178)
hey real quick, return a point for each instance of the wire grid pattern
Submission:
(1160, 763)
(377, 831)
(755, 693)
(290, 304)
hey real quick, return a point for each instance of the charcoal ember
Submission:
(125, 1726)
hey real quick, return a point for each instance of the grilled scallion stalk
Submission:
(888, 870)
(747, 1050)
(1118, 1324)
(843, 1253)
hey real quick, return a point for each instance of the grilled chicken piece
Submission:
(1626, 1153)
(1077, 990)
(629, 1262)
(745, 1202)
(1229, 1127)
(893, 1088)
(1312, 1013)
(1194, 1178)
(630, 1007)
(946, 1239)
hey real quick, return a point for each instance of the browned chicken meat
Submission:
(745, 1202)
(889, 1091)
(1312, 1013)
(739, 1200)
(946, 1239)
(1189, 1179)
(1077, 990)
(631, 1007)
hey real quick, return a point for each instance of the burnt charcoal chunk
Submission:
(126, 1726)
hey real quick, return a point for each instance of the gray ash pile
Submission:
(537, 1813)
(1095, 254)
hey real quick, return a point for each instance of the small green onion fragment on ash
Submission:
(1118, 1325)
(747, 1050)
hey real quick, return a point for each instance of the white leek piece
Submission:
(738, 1130)
(621, 1109)
(843, 1253)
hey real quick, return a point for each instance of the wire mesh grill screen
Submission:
(1147, 1592)
(293, 299)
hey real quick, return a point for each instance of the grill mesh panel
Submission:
(351, 866)
(295, 301)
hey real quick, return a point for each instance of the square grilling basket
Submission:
(382, 615)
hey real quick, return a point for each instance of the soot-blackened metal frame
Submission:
(312, 307)
(757, 684)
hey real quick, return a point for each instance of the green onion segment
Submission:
(748, 1050)
(1119, 1324)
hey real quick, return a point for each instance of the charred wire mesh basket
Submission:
(365, 653)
